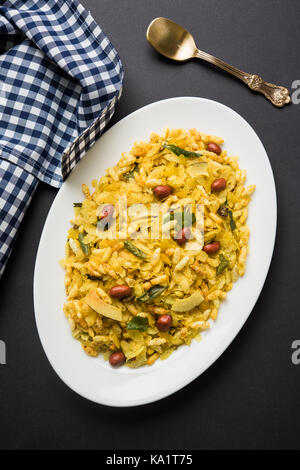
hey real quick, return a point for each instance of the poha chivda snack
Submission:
(134, 297)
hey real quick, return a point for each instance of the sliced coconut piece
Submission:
(198, 169)
(184, 305)
(109, 311)
(75, 246)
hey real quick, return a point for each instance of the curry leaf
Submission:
(188, 218)
(152, 293)
(138, 323)
(183, 218)
(223, 211)
(179, 151)
(84, 246)
(223, 264)
(231, 221)
(168, 217)
(134, 249)
(130, 174)
(77, 204)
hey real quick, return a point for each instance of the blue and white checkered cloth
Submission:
(60, 79)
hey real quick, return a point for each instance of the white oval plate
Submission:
(93, 378)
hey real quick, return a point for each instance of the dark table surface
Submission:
(250, 397)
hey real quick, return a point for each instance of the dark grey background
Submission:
(250, 397)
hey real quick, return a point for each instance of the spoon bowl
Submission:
(171, 40)
(176, 43)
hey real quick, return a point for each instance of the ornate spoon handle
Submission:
(278, 95)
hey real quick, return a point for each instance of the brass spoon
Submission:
(173, 41)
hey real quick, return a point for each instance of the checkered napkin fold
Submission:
(60, 79)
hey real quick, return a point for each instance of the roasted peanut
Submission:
(117, 359)
(211, 248)
(164, 322)
(107, 211)
(183, 235)
(215, 148)
(162, 191)
(119, 292)
(218, 185)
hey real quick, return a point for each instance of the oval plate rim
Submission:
(228, 338)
